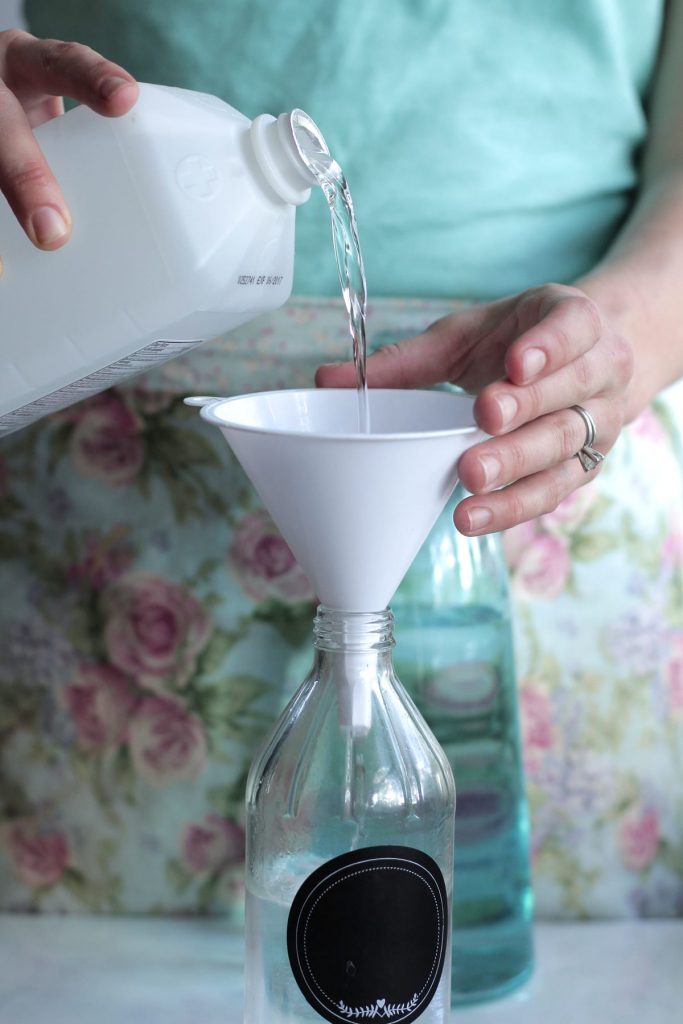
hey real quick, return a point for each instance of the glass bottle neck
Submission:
(353, 654)
(335, 630)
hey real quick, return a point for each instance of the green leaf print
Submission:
(9, 548)
(663, 414)
(671, 857)
(576, 882)
(177, 877)
(228, 801)
(8, 508)
(219, 646)
(203, 573)
(13, 800)
(587, 546)
(58, 444)
(107, 850)
(674, 600)
(77, 884)
(597, 509)
(646, 557)
(18, 707)
(180, 457)
(294, 622)
(123, 779)
(229, 708)
(207, 893)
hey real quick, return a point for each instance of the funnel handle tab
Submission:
(201, 400)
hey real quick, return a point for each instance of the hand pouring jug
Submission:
(183, 227)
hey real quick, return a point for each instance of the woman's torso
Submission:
(489, 145)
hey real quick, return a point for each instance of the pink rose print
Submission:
(674, 675)
(672, 549)
(234, 888)
(538, 733)
(570, 513)
(638, 837)
(543, 568)
(264, 563)
(166, 742)
(212, 845)
(37, 856)
(155, 630)
(101, 702)
(106, 443)
(106, 557)
(649, 427)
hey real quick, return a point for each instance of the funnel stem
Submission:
(357, 652)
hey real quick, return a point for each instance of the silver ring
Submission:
(588, 456)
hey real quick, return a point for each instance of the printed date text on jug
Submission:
(260, 279)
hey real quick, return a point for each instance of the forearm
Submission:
(639, 286)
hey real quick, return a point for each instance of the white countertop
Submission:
(95, 970)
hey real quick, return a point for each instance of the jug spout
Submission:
(277, 147)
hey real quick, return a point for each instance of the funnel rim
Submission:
(208, 413)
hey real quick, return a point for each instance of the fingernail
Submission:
(491, 466)
(508, 407)
(47, 225)
(533, 361)
(111, 85)
(479, 517)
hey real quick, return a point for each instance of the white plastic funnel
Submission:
(354, 508)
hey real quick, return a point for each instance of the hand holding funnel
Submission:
(353, 507)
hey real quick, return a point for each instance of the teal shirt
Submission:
(489, 144)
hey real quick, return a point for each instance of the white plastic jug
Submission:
(183, 227)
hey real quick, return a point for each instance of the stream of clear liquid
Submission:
(347, 251)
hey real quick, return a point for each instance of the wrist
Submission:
(625, 308)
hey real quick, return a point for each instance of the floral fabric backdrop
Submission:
(153, 623)
(598, 597)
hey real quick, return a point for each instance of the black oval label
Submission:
(367, 935)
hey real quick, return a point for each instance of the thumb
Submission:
(425, 359)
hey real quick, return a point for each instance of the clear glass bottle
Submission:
(455, 656)
(350, 808)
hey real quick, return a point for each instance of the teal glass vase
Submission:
(454, 654)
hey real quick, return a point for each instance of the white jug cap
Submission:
(279, 147)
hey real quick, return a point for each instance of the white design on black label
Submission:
(367, 935)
